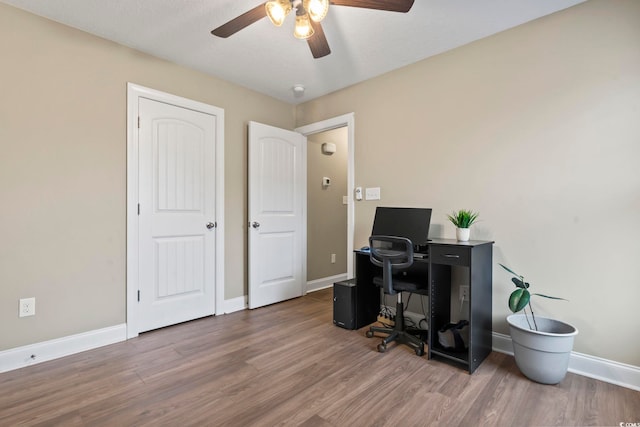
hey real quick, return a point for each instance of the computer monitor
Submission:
(411, 223)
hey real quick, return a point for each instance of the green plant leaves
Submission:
(463, 218)
(519, 283)
(519, 299)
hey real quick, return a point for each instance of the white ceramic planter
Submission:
(462, 234)
(542, 355)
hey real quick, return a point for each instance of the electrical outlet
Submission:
(333, 258)
(464, 292)
(27, 307)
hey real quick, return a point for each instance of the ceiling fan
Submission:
(309, 14)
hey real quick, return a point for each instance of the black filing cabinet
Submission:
(353, 309)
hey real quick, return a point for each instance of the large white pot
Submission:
(542, 355)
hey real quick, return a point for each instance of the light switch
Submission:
(372, 193)
(345, 200)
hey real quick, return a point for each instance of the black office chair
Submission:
(393, 254)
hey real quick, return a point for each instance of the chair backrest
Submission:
(390, 252)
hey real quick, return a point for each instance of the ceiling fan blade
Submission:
(240, 22)
(389, 5)
(318, 42)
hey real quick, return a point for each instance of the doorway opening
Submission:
(330, 213)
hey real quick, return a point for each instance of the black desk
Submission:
(472, 264)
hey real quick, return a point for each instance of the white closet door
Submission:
(177, 214)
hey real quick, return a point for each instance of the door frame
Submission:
(134, 93)
(347, 120)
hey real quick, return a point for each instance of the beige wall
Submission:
(63, 172)
(326, 215)
(538, 129)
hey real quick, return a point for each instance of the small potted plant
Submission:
(463, 219)
(541, 346)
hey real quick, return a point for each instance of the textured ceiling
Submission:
(364, 43)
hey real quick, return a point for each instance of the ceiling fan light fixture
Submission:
(277, 10)
(303, 29)
(317, 9)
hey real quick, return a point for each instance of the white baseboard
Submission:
(502, 343)
(235, 304)
(31, 354)
(241, 303)
(325, 282)
(589, 366)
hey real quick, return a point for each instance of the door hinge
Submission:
(138, 122)
(138, 295)
(138, 208)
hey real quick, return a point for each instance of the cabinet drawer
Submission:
(451, 255)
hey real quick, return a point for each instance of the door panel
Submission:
(177, 200)
(279, 261)
(180, 150)
(179, 266)
(277, 188)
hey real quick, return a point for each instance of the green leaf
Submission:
(519, 283)
(550, 297)
(508, 269)
(519, 300)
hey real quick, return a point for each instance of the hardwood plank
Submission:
(288, 365)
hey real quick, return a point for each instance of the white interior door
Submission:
(177, 224)
(277, 214)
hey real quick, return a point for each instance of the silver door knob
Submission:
(255, 224)
(211, 225)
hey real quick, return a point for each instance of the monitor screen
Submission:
(412, 223)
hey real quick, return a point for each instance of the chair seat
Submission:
(401, 285)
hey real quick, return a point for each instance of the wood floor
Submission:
(286, 364)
